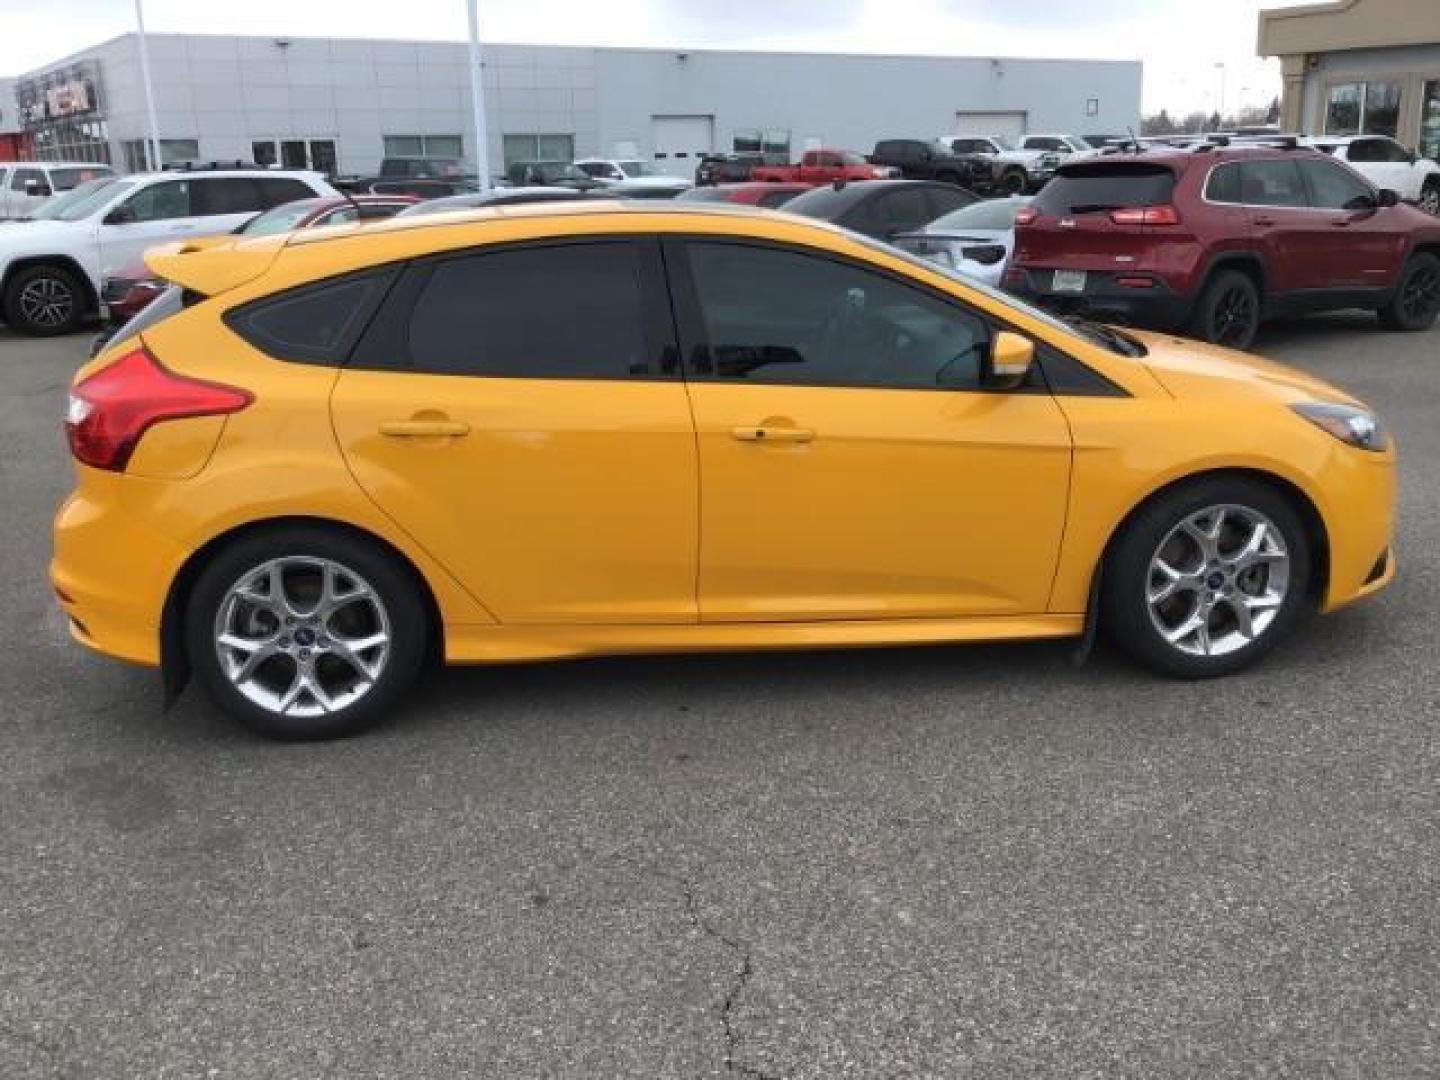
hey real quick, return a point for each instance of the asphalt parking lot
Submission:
(943, 862)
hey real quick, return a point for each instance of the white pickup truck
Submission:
(52, 264)
(1387, 164)
(1024, 167)
(25, 185)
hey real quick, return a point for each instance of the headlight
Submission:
(1353, 426)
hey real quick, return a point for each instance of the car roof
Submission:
(171, 174)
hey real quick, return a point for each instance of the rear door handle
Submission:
(773, 434)
(1264, 222)
(424, 429)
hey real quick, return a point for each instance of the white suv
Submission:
(1387, 164)
(52, 265)
(25, 185)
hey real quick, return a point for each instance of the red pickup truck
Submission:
(821, 167)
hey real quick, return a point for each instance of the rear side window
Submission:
(1223, 186)
(278, 190)
(314, 324)
(554, 311)
(1271, 183)
(1099, 186)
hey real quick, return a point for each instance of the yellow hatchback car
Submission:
(561, 430)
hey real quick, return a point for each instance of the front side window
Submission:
(1334, 187)
(162, 201)
(1271, 183)
(567, 311)
(65, 179)
(773, 316)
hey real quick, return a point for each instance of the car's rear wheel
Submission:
(305, 633)
(1208, 578)
(45, 300)
(1429, 200)
(1229, 310)
(1416, 303)
(1014, 182)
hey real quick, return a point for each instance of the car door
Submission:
(158, 212)
(1282, 224)
(518, 412)
(851, 467)
(1352, 240)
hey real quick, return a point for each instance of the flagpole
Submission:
(156, 163)
(477, 99)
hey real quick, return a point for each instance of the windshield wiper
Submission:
(1121, 343)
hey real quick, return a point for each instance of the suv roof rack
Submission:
(203, 166)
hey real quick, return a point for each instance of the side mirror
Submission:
(1008, 365)
(1387, 198)
(121, 215)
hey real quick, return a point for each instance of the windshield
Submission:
(285, 218)
(65, 179)
(81, 201)
(987, 214)
(551, 171)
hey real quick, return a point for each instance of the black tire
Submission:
(1014, 182)
(46, 300)
(1416, 302)
(1429, 200)
(1228, 312)
(1129, 576)
(393, 586)
(948, 178)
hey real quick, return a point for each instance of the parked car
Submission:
(25, 185)
(635, 179)
(906, 437)
(549, 174)
(823, 167)
(976, 240)
(1215, 240)
(1013, 171)
(418, 188)
(505, 196)
(1071, 147)
(423, 168)
(727, 168)
(922, 159)
(129, 291)
(52, 267)
(881, 208)
(1387, 164)
(769, 194)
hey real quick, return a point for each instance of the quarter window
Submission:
(1334, 187)
(315, 324)
(1223, 186)
(772, 316)
(567, 311)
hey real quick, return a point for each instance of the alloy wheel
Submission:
(1430, 200)
(47, 302)
(1218, 580)
(302, 636)
(1233, 323)
(1420, 294)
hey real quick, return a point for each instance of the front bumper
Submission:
(1360, 520)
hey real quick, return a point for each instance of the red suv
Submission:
(1214, 239)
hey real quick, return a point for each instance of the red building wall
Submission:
(17, 146)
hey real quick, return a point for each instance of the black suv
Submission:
(930, 159)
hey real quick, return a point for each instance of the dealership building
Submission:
(1359, 67)
(341, 105)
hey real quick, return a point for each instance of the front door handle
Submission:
(773, 434)
(424, 429)
(1264, 222)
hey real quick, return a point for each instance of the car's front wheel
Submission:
(1207, 578)
(45, 300)
(305, 633)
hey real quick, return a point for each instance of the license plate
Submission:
(1068, 281)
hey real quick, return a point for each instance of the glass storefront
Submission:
(1363, 108)
(1429, 145)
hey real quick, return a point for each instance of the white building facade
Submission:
(343, 105)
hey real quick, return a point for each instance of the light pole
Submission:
(154, 154)
(477, 100)
(1221, 68)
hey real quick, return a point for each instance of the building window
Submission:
(72, 140)
(317, 154)
(425, 146)
(773, 143)
(1430, 121)
(1363, 108)
(552, 147)
(172, 151)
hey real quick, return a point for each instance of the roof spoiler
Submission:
(211, 265)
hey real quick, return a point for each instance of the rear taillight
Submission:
(1146, 215)
(111, 409)
(1026, 215)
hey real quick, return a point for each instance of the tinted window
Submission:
(278, 190)
(989, 214)
(773, 316)
(571, 311)
(65, 179)
(773, 199)
(1224, 184)
(227, 195)
(1271, 183)
(158, 202)
(1334, 187)
(904, 208)
(1040, 143)
(971, 146)
(25, 176)
(826, 202)
(1367, 150)
(315, 324)
(944, 200)
(1105, 185)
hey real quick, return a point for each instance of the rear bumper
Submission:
(1158, 306)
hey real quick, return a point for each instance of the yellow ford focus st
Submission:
(552, 431)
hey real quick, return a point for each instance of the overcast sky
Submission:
(1180, 41)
